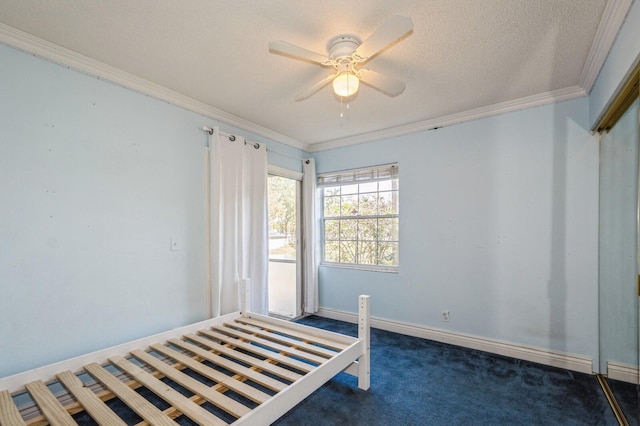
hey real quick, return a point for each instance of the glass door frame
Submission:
(297, 177)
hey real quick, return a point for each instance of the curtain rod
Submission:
(256, 145)
(306, 160)
(232, 138)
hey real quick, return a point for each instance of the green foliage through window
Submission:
(282, 218)
(361, 216)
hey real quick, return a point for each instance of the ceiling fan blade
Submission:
(389, 32)
(289, 49)
(313, 89)
(384, 83)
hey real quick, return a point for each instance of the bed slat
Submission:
(295, 333)
(283, 359)
(133, 399)
(288, 341)
(166, 392)
(250, 374)
(210, 394)
(49, 405)
(256, 362)
(269, 344)
(236, 385)
(97, 409)
(9, 413)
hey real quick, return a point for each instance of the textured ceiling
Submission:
(462, 54)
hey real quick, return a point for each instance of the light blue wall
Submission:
(94, 182)
(498, 217)
(498, 225)
(623, 56)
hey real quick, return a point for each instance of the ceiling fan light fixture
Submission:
(345, 84)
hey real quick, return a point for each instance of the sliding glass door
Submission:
(284, 253)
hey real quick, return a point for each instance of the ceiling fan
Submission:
(345, 55)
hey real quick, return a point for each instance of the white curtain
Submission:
(238, 220)
(309, 241)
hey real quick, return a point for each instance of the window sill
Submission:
(370, 268)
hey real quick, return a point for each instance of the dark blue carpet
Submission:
(420, 382)
(628, 398)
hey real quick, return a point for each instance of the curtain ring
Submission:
(256, 145)
(232, 138)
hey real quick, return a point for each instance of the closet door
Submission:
(619, 260)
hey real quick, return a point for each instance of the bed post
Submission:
(364, 334)
(244, 288)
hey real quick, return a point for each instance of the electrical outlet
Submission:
(445, 316)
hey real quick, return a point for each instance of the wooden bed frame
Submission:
(258, 368)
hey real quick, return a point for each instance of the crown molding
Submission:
(545, 98)
(62, 56)
(611, 21)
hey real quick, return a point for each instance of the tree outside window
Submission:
(361, 217)
(282, 217)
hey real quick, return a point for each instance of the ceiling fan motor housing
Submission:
(343, 46)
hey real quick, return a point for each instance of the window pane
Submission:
(331, 190)
(368, 204)
(385, 185)
(331, 230)
(349, 229)
(348, 252)
(388, 229)
(367, 229)
(331, 206)
(349, 205)
(388, 202)
(281, 193)
(367, 253)
(369, 187)
(388, 253)
(349, 189)
(332, 251)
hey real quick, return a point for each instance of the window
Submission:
(361, 217)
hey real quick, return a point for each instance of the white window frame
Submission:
(383, 172)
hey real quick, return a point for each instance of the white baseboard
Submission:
(623, 372)
(568, 361)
